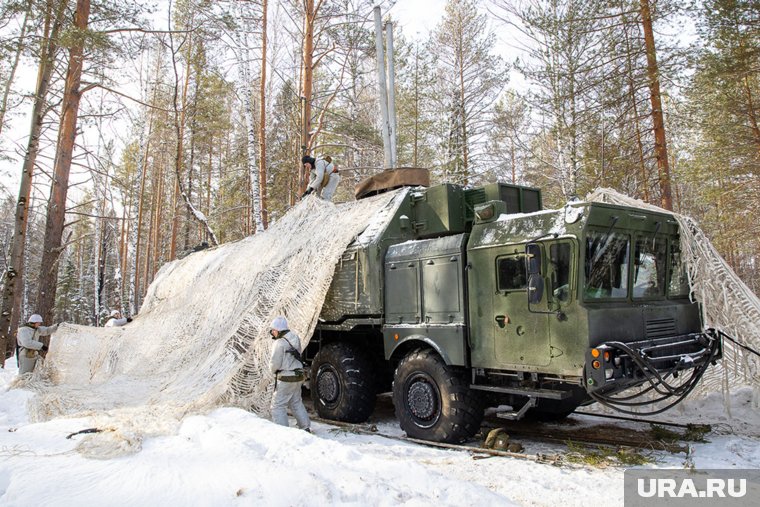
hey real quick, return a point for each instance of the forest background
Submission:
(152, 128)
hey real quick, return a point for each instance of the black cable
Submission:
(750, 349)
(650, 372)
(88, 430)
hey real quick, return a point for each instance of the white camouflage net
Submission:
(202, 337)
(727, 303)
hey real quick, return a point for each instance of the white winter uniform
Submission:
(317, 174)
(287, 392)
(29, 346)
(332, 185)
(116, 322)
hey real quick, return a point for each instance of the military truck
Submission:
(465, 298)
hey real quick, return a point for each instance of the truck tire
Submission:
(342, 388)
(434, 401)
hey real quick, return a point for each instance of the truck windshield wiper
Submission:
(594, 249)
(656, 230)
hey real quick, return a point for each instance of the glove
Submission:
(44, 348)
(129, 319)
(308, 191)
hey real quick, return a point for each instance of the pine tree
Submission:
(471, 76)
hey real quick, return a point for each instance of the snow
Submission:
(233, 457)
(380, 220)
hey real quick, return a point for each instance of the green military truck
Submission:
(460, 299)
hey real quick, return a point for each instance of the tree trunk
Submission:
(60, 184)
(191, 163)
(135, 232)
(244, 85)
(634, 105)
(14, 276)
(463, 114)
(306, 88)
(179, 158)
(751, 112)
(263, 119)
(416, 103)
(660, 145)
(159, 222)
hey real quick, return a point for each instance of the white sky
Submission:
(417, 17)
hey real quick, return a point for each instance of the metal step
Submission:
(551, 394)
(516, 416)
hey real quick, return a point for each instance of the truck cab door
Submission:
(521, 336)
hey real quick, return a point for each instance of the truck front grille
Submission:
(657, 328)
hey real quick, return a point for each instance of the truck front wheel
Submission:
(342, 388)
(433, 401)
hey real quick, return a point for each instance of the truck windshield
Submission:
(649, 267)
(607, 258)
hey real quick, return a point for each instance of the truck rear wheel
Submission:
(434, 401)
(341, 383)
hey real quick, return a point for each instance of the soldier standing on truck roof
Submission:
(28, 345)
(330, 180)
(287, 367)
(323, 177)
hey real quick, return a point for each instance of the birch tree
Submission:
(247, 16)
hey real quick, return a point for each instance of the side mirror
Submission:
(533, 258)
(535, 288)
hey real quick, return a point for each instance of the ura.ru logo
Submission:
(686, 488)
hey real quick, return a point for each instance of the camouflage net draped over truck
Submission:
(727, 303)
(202, 337)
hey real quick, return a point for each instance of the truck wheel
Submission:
(433, 401)
(341, 383)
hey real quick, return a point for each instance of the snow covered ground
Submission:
(233, 457)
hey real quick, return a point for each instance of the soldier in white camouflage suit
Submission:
(28, 345)
(288, 371)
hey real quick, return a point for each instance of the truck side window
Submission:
(511, 273)
(560, 261)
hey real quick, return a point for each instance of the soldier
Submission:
(28, 346)
(287, 367)
(330, 181)
(320, 171)
(115, 320)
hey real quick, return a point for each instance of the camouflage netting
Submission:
(727, 303)
(202, 337)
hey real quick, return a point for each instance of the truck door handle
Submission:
(501, 320)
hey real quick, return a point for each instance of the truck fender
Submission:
(407, 343)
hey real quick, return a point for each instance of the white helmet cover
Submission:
(280, 323)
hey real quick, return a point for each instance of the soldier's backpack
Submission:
(328, 170)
